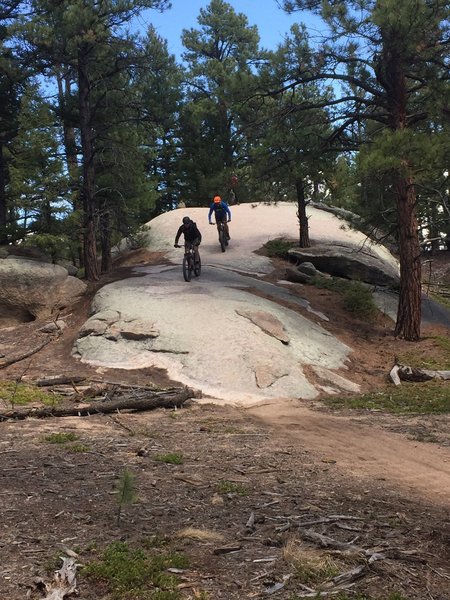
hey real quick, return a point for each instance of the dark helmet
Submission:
(186, 220)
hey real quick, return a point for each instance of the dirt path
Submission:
(362, 449)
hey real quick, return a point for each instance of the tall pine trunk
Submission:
(392, 77)
(71, 152)
(3, 211)
(88, 183)
(301, 214)
(410, 297)
(105, 238)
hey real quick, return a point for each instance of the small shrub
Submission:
(126, 493)
(279, 248)
(78, 448)
(358, 300)
(138, 238)
(130, 573)
(60, 438)
(173, 458)
(228, 487)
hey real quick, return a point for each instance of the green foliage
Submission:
(409, 398)
(78, 448)
(357, 298)
(219, 57)
(61, 437)
(37, 181)
(279, 248)
(404, 151)
(23, 394)
(130, 573)
(55, 246)
(228, 487)
(126, 491)
(138, 238)
(173, 458)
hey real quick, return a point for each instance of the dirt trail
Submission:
(364, 450)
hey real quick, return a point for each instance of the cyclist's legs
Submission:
(187, 247)
(223, 220)
(195, 245)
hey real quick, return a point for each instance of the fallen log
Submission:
(148, 400)
(401, 373)
(59, 380)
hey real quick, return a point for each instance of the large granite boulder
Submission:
(35, 290)
(340, 260)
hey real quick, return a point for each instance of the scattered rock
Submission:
(267, 323)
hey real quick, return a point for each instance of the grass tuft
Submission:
(311, 567)
(130, 573)
(200, 535)
(228, 487)
(60, 438)
(409, 398)
(173, 458)
(21, 394)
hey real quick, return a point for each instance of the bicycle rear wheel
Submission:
(187, 268)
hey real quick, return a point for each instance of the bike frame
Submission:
(222, 237)
(189, 265)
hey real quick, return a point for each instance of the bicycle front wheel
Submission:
(187, 268)
(198, 267)
(222, 239)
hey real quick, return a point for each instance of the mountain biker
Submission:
(191, 236)
(221, 212)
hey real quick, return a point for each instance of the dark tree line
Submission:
(101, 129)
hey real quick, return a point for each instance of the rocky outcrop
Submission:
(30, 289)
(350, 262)
(113, 327)
(267, 323)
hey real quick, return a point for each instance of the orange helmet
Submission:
(217, 199)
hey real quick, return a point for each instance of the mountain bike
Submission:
(189, 264)
(223, 239)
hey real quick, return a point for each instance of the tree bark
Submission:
(71, 152)
(301, 214)
(392, 77)
(3, 211)
(88, 183)
(409, 313)
(105, 238)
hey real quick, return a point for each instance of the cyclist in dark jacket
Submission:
(192, 236)
(222, 214)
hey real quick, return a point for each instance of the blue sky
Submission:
(272, 22)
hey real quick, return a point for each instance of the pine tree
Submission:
(395, 55)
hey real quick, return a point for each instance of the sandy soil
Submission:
(356, 477)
